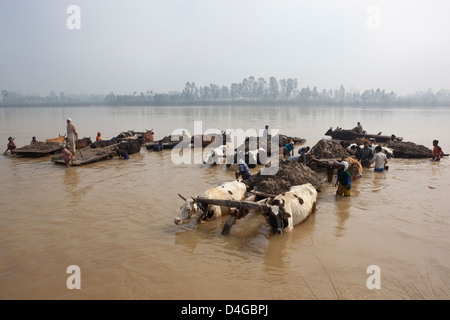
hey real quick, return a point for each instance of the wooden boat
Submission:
(88, 155)
(38, 149)
(345, 134)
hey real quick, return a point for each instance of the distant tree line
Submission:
(16, 99)
(250, 91)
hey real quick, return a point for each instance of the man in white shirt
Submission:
(380, 160)
(72, 136)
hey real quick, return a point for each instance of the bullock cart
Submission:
(346, 134)
(88, 155)
(283, 211)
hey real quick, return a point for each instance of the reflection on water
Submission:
(115, 218)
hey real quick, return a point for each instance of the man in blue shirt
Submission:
(288, 149)
(244, 171)
(344, 180)
(159, 146)
(122, 154)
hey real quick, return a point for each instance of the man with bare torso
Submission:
(72, 136)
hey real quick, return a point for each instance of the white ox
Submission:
(216, 155)
(291, 208)
(234, 190)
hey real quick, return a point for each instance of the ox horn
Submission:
(282, 203)
(182, 197)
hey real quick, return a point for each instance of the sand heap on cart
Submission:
(409, 149)
(290, 173)
(329, 149)
(38, 149)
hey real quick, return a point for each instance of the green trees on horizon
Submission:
(250, 90)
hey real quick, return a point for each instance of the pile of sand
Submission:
(43, 147)
(168, 139)
(329, 149)
(407, 149)
(290, 173)
(284, 140)
(130, 146)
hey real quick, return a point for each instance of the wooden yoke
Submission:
(242, 207)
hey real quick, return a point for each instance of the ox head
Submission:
(354, 171)
(148, 135)
(277, 216)
(329, 132)
(189, 210)
(353, 148)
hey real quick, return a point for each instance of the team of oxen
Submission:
(283, 211)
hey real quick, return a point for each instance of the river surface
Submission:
(115, 219)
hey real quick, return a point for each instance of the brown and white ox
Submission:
(60, 139)
(354, 167)
(234, 190)
(291, 208)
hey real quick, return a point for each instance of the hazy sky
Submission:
(139, 45)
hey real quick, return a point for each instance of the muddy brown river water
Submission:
(114, 219)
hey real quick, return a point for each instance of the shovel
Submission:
(82, 157)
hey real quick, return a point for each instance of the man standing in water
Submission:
(437, 151)
(72, 136)
(380, 160)
(344, 180)
(266, 132)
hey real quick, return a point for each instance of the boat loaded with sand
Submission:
(348, 134)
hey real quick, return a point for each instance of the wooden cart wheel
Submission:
(230, 222)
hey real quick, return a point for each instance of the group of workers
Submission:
(367, 157)
(68, 150)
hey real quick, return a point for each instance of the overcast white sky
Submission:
(139, 45)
